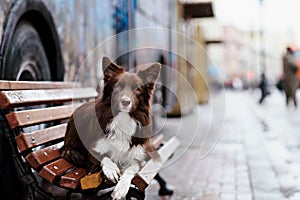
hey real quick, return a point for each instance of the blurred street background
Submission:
(256, 156)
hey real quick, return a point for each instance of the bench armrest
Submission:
(152, 167)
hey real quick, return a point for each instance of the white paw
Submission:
(121, 189)
(110, 169)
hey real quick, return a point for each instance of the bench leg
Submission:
(83, 196)
(68, 195)
(42, 192)
(31, 193)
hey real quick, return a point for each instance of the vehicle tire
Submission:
(26, 59)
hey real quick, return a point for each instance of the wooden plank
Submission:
(38, 158)
(40, 115)
(147, 173)
(72, 179)
(54, 170)
(29, 140)
(18, 98)
(30, 85)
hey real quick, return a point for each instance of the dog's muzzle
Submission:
(125, 104)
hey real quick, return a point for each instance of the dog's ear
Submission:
(150, 74)
(110, 69)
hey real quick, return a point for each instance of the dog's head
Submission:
(126, 91)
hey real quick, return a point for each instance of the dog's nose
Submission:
(125, 101)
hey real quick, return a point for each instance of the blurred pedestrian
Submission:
(263, 86)
(290, 83)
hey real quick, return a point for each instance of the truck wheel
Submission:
(26, 58)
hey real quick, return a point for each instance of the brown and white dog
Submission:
(114, 131)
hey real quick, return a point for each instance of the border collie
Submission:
(113, 132)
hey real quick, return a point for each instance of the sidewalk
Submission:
(246, 163)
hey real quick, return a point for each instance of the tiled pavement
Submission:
(224, 174)
(247, 163)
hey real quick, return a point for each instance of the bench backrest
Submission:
(45, 107)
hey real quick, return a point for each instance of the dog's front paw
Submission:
(121, 188)
(110, 169)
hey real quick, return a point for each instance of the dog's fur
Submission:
(113, 132)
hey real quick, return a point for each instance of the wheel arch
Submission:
(37, 13)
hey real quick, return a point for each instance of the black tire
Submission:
(26, 58)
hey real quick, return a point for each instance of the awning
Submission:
(197, 10)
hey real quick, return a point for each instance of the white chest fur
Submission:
(121, 129)
(117, 145)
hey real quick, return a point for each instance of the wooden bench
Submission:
(36, 113)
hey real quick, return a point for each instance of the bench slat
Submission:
(147, 173)
(52, 171)
(28, 140)
(29, 85)
(18, 98)
(38, 158)
(72, 179)
(40, 115)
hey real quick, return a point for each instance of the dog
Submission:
(112, 133)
